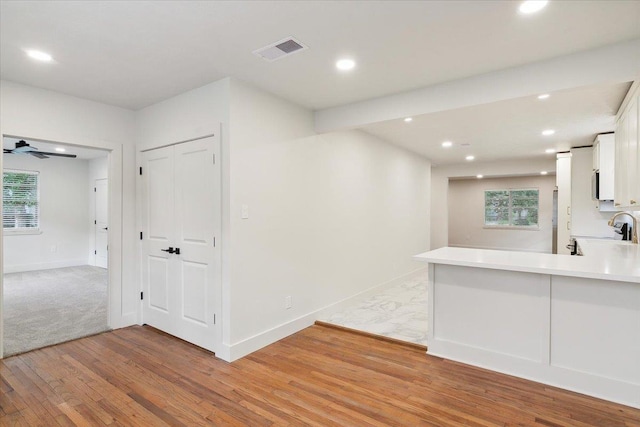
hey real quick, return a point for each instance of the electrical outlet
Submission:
(54, 248)
(287, 302)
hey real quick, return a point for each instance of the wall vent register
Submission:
(280, 49)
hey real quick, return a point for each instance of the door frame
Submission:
(114, 236)
(141, 225)
(95, 214)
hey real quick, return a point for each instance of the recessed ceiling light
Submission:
(544, 96)
(532, 6)
(447, 144)
(479, 176)
(60, 150)
(469, 158)
(543, 173)
(345, 64)
(38, 55)
(550, 151)
(548, 132)
(408, 119)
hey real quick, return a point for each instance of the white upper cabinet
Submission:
(627, 154)
(563, 182)
(604, 164)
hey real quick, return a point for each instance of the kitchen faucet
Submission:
(635, 224)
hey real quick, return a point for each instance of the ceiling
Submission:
(509, 129)
(82, 152)
(135, 53)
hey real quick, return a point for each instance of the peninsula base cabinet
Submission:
(627, 154)
(575, 333)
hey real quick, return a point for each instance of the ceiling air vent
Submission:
(280, 49)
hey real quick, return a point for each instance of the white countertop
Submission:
(603, 259)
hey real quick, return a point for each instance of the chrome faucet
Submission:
(634, 239)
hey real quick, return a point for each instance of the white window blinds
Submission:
(20, 200)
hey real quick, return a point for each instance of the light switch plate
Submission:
(245, 211)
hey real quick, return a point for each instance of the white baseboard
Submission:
(21, 268)
(242, 348)
(123, 321)
(263, 339)
(623, 392)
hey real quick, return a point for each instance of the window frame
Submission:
(510, 225)
(23, 230)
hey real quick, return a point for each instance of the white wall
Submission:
(98, 169)
(440, 187)
(64, 216)
(466, 215)
(586, 219)
(330, 216)
(35, 113)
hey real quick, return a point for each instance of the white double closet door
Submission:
(180, 260)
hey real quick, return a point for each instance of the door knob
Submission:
(170, 250)
(105, 228)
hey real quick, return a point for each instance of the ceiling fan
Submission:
(23, 148)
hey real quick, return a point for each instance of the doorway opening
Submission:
(55, 243)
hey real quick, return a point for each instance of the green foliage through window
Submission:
(20, 207)
(511, 208)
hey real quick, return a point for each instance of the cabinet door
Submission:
(633, 155)
(605, 145)
(621, 179)
(627, 185)
(620, 162)
(563, 180)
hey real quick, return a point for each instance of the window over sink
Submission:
(511, 208)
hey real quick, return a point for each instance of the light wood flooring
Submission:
(319, 376)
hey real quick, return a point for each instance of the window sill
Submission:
(9, 232)
(512, 227)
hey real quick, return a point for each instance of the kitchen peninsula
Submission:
(568, 321)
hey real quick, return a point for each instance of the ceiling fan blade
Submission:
(24, 149)
(37, 154)
(71, 156)
(5, 151)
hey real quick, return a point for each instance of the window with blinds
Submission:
(20, 200)
(511, 208)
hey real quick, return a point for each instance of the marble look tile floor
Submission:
(398, 311)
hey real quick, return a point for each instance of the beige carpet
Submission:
(48, 307)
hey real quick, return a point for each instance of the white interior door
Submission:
(180, 259)
(102, 223)
(158, 236)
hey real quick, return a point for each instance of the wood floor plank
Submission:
(320, 376)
